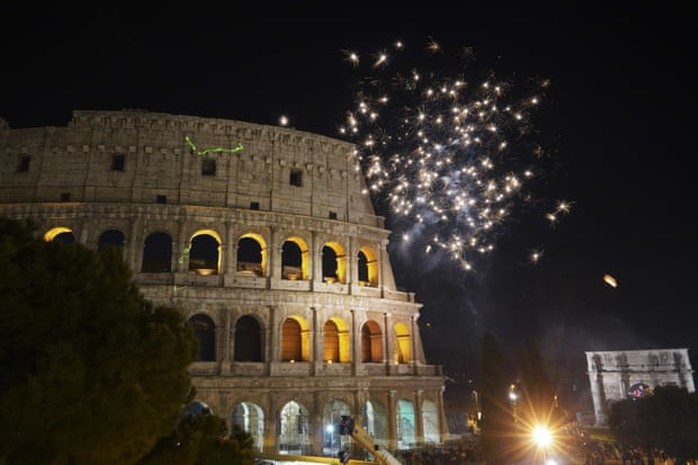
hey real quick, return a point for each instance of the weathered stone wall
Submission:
(66, 177)
(613, 373)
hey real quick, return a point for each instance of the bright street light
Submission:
(542, 436)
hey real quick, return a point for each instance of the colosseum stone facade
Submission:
(266, 241)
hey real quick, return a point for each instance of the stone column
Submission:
(271, 350)
(387, 358)
(392, 421)
(315, 344)
(131, 243)
(418, 417)
(275, 251)
(355, 354)
(180, 252)
(443, 423)
(413, 340)
(230, 251)
(271, 425)
(316, 424)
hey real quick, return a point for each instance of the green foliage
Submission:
(666, 420)
(202, 440)
(92, 373)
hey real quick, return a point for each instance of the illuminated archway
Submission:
(430, 420)
(60, 234)
(334, 263)
(252, 255)
(375, 421)
(295, 340)
(406, 433)
(295, 259)
(332, 440)
(337, 343)
(294, 431)
(367, 262)
(403, 343)
(249, 417)
(371, 342)
(204, 252)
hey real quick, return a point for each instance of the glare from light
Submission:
(542, 436)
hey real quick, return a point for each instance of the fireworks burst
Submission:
(448, 157)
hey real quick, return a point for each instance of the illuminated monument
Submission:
(263, 239)
(617, 375)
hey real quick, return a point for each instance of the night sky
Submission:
(616, 120)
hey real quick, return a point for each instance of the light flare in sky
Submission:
(449, 158)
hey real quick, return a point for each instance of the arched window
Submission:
(367, 263)
(248, 341)
(430, 418)
(295, 259)
(331, 342)
(157, 254)
(403, 343)
(290, 341)
(112, 238)
(331, 415)
(251, 256)
(376, 421)
(249, 417)
(60, 234)
(334, 263)
(205, 333)
(294, 430)
(204, 254)
(371, 343)
(406, 437)
(295, 340)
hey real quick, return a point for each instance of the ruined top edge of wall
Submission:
(635, 351)
(244, 131)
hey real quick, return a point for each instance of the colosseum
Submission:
(265, 240)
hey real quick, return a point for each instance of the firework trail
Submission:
(447, 157)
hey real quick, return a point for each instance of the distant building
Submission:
(265, 241)
(618, 375)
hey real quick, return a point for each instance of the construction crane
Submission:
(347, 426)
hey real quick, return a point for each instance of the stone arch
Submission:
(252, 255)
(403, 343)
(249, 417)
(248, 340)
(295, 259)
(430, 420)
(375, 421)
(405, 422)
(294, 429)
(205, 333)
(205, 252)
(111, 238)
(332, 440)
(295, 339)
(367, 264)
(371, 342)
(334, 263)
(336, 341)
(157, 253)
(60, 234)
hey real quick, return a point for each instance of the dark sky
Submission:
(617, 117)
